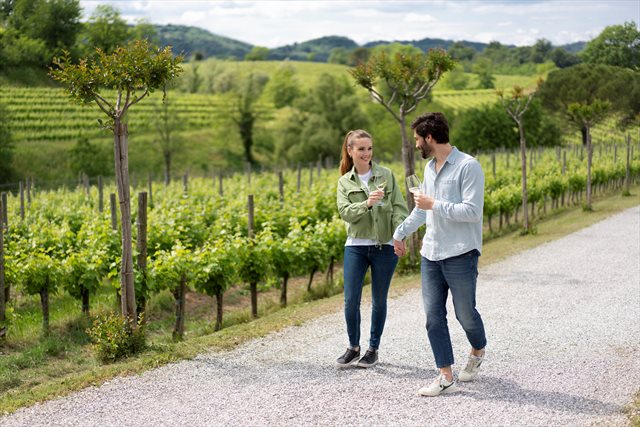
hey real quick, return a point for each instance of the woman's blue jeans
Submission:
(357, 259)
(458, 274)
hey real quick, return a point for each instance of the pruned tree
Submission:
(399, 83)
(516, 104)
(167, 123)
(132, 72)
(245, 114)
(586, 116)
(584, 83)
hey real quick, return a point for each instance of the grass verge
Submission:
(80, 370)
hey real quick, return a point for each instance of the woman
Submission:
(371, 204)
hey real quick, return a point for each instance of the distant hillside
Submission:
(574, 47)
(313, 50)
(426, 44)
(189, 40)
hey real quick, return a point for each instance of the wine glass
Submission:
(413, 184)
(380, 185)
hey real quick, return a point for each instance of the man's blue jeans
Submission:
(357, 259)
(458, 274)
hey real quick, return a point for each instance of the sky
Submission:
(278, 23)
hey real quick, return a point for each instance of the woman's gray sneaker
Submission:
(369, 359)
(348, 358)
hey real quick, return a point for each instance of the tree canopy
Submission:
(617, 45)
(584, 83)
(488, 127)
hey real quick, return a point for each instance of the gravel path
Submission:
(563, 324)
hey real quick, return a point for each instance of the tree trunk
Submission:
(313, 272)
(245, 127)
(121, 155)
(84, 292)
(283, 290)
(254, 299)
(167, 168)
(523, 158)
(218, 311)
(583, 132)
(408, 158)
(179, 295)
(44, 302)
(329, 278)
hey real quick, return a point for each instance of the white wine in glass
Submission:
(413, 184)
(380, 185)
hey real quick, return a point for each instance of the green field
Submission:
(46, 125)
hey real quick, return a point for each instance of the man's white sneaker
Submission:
(470, 372)
(439, 386)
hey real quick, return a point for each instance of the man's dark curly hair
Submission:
(434, 124)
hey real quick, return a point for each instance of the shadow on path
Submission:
(493, 388)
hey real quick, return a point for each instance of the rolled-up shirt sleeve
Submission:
(472, 192)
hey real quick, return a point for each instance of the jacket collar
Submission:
(375, 171)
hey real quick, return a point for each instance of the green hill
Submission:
(315, 50)
(189, 40)
(426, 44)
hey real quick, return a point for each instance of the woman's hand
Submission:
(399, 247)
(374, 197)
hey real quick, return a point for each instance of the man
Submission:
(450, 202)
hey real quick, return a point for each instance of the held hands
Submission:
(399, 247)
(374, 197)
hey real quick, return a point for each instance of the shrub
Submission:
(114, 338)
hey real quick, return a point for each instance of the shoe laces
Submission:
(473, 361)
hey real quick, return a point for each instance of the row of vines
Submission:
(204, 238)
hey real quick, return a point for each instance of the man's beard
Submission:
(425, 151)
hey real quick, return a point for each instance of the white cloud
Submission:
(275, 23)
(414, 17)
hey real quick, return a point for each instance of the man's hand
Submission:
(399, 247)
(423, 201)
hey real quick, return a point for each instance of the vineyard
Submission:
(45, 114)
(62, 248)
(201, 235)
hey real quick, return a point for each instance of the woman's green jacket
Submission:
(378, 222)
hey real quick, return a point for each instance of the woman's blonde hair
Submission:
(346, 162)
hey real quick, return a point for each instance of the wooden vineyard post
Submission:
(100, 194)
(253, 285)
(185, 183)
(21, 201)
(142, 252)
(627, 178)
(281, 187)
(150, 190)
(3, 299)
